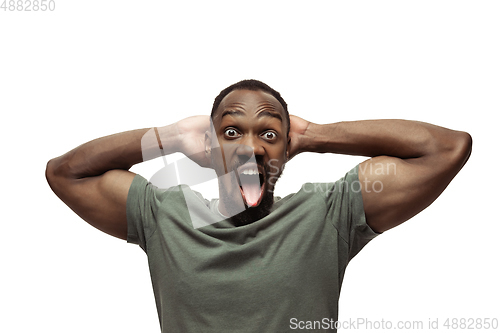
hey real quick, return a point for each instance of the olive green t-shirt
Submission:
(210, 276)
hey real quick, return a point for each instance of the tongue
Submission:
(251, 191)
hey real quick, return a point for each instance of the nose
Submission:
(250, 146)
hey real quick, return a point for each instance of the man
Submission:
(259, 263)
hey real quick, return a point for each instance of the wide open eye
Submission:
(270, 136)
(231, 133)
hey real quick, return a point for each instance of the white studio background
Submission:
(93, 68)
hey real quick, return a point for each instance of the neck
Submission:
(235, 210)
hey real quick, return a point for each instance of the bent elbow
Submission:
(49, 171)
(51, 174)
(55, 173)
(466, 145)
(463, 148)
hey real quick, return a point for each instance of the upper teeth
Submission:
(250, 172)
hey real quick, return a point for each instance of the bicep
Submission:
(100, 200)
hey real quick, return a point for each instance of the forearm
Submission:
(398, 138)
(118, 151)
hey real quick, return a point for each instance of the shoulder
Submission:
(143, 188)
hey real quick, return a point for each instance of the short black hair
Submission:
(253, 85)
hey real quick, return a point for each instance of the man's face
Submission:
(251, 142)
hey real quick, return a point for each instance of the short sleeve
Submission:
(142, 206)
(345, 210)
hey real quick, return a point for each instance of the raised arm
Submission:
(412, 162)
(93, 179)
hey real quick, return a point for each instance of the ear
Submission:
(288, 149)
(208, 145)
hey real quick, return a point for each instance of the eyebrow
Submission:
(269, 114)
(264, 113)
(231, 113)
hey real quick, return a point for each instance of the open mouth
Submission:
(251, 181)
